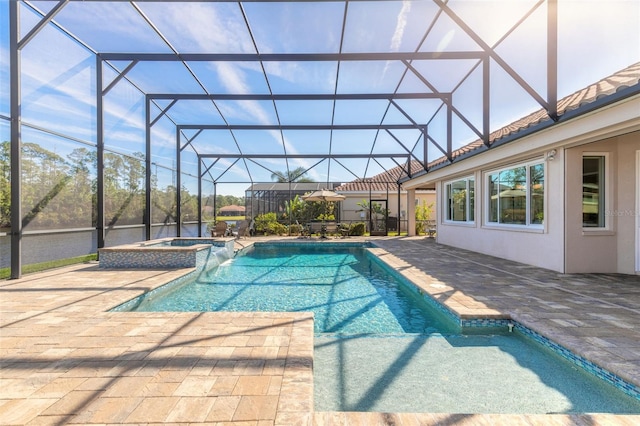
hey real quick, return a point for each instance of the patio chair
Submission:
(431, 228)
(345, 229)
(304, 230)
(243, 229)
(220, 229)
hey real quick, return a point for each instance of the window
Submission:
(459, 203)
(516, 195)
(536, 183)
(593, 194)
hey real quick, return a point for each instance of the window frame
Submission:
(528, 225)
(605, 187)
(469, 207)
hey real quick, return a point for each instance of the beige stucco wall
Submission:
(615, 127)
(614, 248)
(563, 245)
(627, 194)
(538, 247)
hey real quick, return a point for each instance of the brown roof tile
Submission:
(380, 182)
(232, 208)
(627, 77)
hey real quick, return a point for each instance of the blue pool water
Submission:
(346, 289)
(500, 373)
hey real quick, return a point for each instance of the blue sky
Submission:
(595, 39)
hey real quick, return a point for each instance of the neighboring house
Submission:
(263, 198)
(382, 189)
(232, 210)
(563, 196)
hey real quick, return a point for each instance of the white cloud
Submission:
(233, 78)
(401, 24)
(212, 27)
(398, 34)
(109, 27)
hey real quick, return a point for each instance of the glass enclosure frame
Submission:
(167, 142)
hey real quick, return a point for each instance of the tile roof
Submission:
(628, 77)
(381, 182)
(294, 186)
(232, 208)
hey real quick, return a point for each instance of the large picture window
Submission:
(593, 194)
(516, 195)
(459, 203)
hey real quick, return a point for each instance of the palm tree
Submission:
(296, 175)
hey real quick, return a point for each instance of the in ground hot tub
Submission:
(199, 253)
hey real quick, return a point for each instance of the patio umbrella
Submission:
(323, 195)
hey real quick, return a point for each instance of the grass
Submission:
(43, 266)
(236, 218)
(231, 218)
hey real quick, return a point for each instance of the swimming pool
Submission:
(377, 341)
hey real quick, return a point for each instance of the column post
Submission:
(411, 212)
(16, 140)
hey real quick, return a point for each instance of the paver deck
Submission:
(66, 360)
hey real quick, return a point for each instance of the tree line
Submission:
(60, 192)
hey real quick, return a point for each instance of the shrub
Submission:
(268, 224)
(295, 228)
(357, 229)
(264, 223)
(276, 228)
(423, 212)
(326, 217)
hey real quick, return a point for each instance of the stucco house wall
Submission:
(628, 198)
(562, 245)
(538, 247)
(612, 249)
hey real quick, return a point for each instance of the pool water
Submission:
(501, 374)
(347, 290)
(380, 347)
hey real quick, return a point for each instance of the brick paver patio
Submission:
(66, 360)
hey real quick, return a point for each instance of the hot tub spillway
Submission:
(218, 255)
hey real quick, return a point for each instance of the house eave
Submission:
(627, 94)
